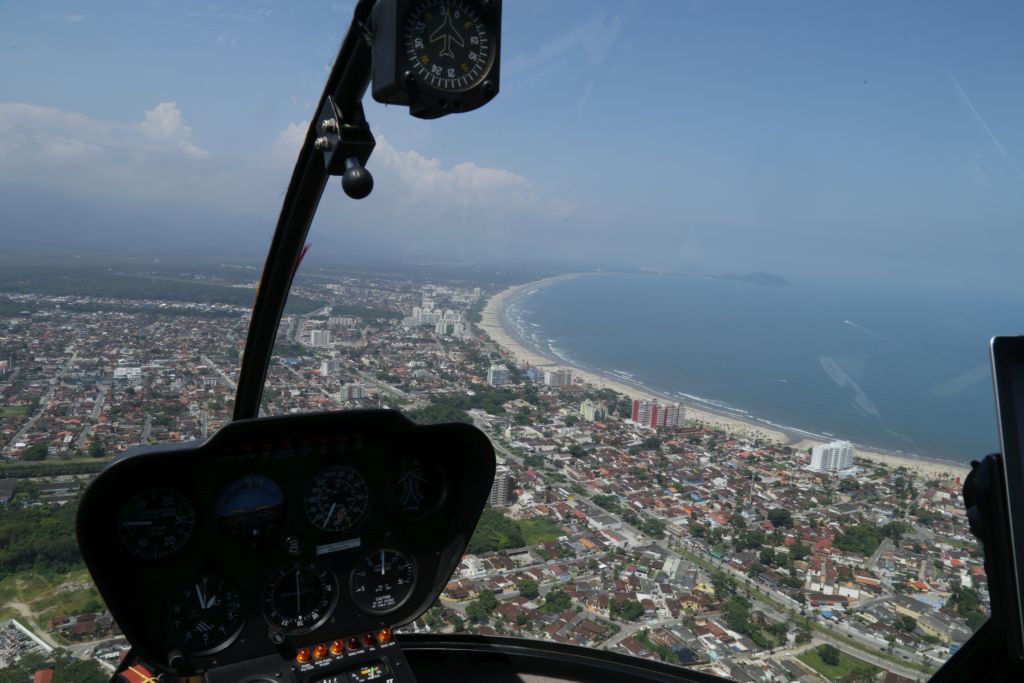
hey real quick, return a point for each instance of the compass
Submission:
(446, 44)
(437, 56)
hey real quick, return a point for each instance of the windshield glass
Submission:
(717, 281)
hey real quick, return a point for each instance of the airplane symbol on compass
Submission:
(448, 33)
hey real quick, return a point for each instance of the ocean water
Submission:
(900, 371)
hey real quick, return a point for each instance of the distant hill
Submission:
(758, 278)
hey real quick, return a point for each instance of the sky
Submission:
(822, 141)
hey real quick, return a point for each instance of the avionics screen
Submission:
(1008, 371)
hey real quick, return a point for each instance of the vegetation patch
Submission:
(13, 410)
(833, 664)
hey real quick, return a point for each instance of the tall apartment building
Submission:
(502, 488)
(653, 414)
(497, 375)
(832, 457)
(561, 377)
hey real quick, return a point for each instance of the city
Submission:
(614, 522)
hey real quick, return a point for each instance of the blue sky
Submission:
(820, 140)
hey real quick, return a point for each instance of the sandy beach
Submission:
(494, 328)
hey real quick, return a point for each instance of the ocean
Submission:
(901, 371)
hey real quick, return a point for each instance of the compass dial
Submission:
(155, 523)
(204, 617)
(338, 499)
(446, 44)
(300, 597)
(382, 581)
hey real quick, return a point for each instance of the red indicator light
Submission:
(368, 640)
(353, 644)
(302, 656)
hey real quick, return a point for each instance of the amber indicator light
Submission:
(302, 656)
(320, 651)
(384, 637)
(337, 647)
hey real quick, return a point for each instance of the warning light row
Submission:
(337, 647)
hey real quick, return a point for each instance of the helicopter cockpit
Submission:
(294, 548)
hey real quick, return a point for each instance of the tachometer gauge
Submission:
(446, 43)
(338, 499)
(203, 617)
(250, 506)
(419, 489)
(153, 524)
(300, 597)
(382, 581)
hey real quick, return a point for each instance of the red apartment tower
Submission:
(652, 414)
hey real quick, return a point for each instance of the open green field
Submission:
(539, 530)
(847, 665)
(13, 411)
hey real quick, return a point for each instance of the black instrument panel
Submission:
(280, 534)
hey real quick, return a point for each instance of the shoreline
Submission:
(493, 326)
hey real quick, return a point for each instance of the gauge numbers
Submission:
(382, 581)
(300, 597)
(338, 499)
(446, 44)
(153, 524)
(203, 617)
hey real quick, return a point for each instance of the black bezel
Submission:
(394, 83)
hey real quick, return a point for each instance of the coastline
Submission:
(493, 326)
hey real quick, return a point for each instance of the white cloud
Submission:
(286, 144)
(427, 180)
(164, 123)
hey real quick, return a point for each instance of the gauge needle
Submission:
(199, 594)
(382, 563)
(330, 513)
(298, 598)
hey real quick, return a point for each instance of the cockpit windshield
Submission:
(715, 280)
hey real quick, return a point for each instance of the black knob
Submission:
(356, 180)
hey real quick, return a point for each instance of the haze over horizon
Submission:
(851, 143)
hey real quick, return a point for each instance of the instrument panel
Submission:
(278, 535)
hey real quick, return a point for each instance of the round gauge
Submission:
(446, 44)
(382, 581)
(155, 523)
(300, 597)
(419, 488)
(249, 507)
(338, 499)
(203, 617)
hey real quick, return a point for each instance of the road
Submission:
(43, 401)
(97, 410)
(223, 375)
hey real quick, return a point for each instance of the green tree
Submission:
(556, 601)
(780, 517)
(475, 613)
(487, 600)
(528, 588)
(626, 610)
(829, 654)
(906, 623)
(34, 453)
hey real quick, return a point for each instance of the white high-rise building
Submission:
(832, 457)
(497, 376)
(320, 338)
(561, 377)
(353, 391)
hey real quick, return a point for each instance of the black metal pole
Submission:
(347, 83)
